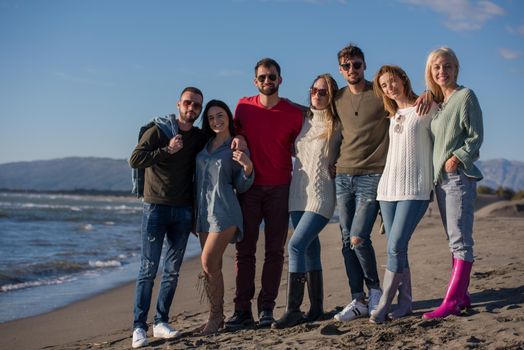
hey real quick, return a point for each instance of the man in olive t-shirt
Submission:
(359, 167)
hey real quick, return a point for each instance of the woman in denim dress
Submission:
(221, 173)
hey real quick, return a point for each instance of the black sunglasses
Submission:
(321, 92)
(187, 103)
(356, 65)
(262, 77)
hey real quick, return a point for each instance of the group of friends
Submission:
(367, 147)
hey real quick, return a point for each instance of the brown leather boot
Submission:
(214, 287)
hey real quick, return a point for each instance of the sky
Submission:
(78, 78)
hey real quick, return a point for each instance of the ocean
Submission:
(57, 249)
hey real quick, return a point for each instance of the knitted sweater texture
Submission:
(408, 174)
(312, 188)
(458, 130)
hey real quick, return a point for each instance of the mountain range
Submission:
(67, 174)
(106, 174)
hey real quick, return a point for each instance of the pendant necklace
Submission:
(353, 104)
(399, 119)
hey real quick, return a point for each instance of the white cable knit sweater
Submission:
(408, 173)
(312, 188)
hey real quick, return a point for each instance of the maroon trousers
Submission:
(268, 203)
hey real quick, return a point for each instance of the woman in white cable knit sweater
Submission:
(406, 184)
(311, 200)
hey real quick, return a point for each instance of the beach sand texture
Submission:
(496, 320)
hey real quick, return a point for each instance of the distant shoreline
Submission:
(86, 192)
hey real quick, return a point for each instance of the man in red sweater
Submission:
(270, 125)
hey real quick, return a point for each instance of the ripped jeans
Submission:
(358, 209)
(159, 221)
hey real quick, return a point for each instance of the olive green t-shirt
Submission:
(365, 128)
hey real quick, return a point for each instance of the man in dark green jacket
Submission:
(168, 210)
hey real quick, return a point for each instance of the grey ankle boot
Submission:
(405, 299)
(389, 289)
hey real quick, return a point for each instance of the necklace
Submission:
(353, 104)
(399, 119)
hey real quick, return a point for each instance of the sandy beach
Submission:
(496, 320)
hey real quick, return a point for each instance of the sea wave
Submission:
(37, 283)
(86, 227)
(118, 208)
(107, 263)
(52, 272)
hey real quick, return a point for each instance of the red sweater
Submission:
(270, 134)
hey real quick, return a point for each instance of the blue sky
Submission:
(78, 78)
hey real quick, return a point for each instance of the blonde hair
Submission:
(390, 105)
(430, 82)
(333, 120)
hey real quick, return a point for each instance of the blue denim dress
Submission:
(218, 180)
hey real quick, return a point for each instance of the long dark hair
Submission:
(205, 121)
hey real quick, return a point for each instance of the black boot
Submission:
(315, 288)
(295, 295)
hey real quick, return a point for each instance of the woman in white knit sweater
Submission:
(406, 184)
(311, 200)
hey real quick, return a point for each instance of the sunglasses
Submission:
(187, 103)
(262, 77)
(321, 92)
(356, 65)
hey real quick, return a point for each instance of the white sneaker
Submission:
(164, 330)
(374, 299)
(139, 338)
(353, 310)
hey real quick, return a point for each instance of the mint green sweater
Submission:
(457, 129)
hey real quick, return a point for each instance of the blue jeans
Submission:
(304, 245)
(400, 220)
(175, 224)
(358, 208)
(456, 195)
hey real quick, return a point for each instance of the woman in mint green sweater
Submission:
(458, 132)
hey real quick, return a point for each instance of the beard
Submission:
(356, 80)
(268, 91)
(189, 117)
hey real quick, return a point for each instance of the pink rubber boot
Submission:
(465, 302)
(455, 293)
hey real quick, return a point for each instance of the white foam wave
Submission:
(108, 263)
(86, 227)
(118, 208)
(17, 286)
